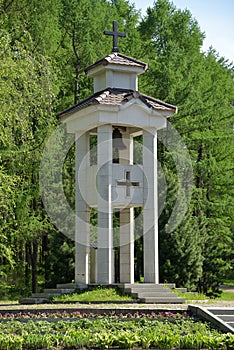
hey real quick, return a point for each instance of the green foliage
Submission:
(25, 117)
(44, 48)
(202, 88)
(228, 282)
(104, 333)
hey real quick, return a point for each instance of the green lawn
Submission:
(96, 294)
(112, 294)
(228, 296)
(225, 296)
(193, 296)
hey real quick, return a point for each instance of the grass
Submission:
(192, 296)
(112, 294)
(7, 302)
(96, 294)
(226, 296)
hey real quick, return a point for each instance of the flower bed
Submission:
(75, 330)
(78, 315)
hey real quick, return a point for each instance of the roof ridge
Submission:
(132, 59)
(79, 103)
(166, 104)
(103, 95)
(109, 59)
(118, 96)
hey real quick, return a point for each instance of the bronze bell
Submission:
(117, 140)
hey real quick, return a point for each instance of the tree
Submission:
(83, 23)
(7, 188)
(26, 99)
(38, 18)
(44, 47)
(214, 169)
(179, 73)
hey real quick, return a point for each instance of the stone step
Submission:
(153, 286)
(182, 290)
(222, 311)
(148, 285)
(59, 290)
(153, 293)
(40, 298)
(45, 295)
(66, 286)
(142, 290)
(161, 300)
(226, 318)
(156, 295)
(29, 301)
(220, 317)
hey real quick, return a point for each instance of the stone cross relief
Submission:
(128, 183)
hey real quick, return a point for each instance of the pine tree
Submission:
(202, 87)
(26, 93)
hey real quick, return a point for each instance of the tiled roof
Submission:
(117, 97)
(120, 59)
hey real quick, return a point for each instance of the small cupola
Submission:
(116, 70)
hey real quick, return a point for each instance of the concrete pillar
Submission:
(126, 245)
(126, 155)
(150, 211)
(82, 236)
(104, 182)
(126, 230)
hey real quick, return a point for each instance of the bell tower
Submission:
(115, 114)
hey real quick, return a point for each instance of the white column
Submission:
(82, 242)
(126, 229)
(126, 155)
(126, 241)
(104, 182)
(150, 211)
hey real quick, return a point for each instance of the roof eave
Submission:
(95, 101)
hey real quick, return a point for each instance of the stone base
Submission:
(31, 301)
(143, 292)
(153, 293)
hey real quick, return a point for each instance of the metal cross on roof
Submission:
(115, 35)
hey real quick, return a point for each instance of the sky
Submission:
(215, 18)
